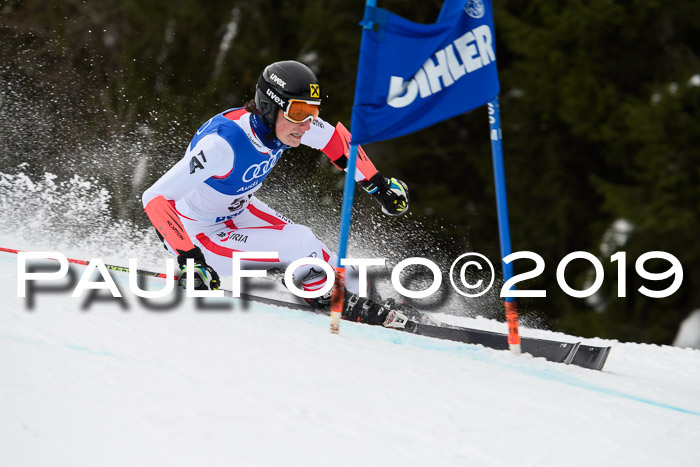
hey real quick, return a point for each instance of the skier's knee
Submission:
(306, 242)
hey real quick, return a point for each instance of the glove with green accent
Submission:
(205, 278)
(390, 193)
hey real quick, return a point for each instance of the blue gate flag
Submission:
(411, 75)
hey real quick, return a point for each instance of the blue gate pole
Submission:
(503, 226)
(337, 298)
(345, 215)
(348, 198)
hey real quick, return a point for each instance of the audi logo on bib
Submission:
(261, 169)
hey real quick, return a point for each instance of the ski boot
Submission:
(363, 310)
(324, 301)
(415, 315)
(386, 313)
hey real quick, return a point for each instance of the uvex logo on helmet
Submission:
(278, 100)
(279, 81)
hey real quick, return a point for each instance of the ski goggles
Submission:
(299, 111)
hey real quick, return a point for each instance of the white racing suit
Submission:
(212, 191)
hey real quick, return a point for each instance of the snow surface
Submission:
(265, 386)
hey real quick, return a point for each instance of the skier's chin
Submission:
(293, 140)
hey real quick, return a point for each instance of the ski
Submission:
(569, 353)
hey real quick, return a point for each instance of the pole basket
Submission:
(337, 298)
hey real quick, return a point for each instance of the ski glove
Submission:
(390, 193)
(205, 278)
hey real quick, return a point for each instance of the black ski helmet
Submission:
(280, 82)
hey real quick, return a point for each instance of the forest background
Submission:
(600, 107)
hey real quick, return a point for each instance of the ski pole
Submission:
(110, 267)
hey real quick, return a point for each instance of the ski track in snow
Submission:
(261, 385)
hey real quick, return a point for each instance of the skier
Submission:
(205, 207)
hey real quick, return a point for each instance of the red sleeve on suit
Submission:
(338, 151)
(165, 219)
